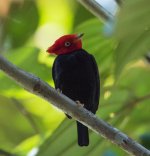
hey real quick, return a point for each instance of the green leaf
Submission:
(12, 130)
(29, 126)
(22, 23)
(145, 140)
(136, 82)
(132, 32)
(136, 79)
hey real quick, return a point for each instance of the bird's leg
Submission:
(79, 103)
(58, 90)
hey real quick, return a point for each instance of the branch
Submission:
(36, 86)
(95, 8)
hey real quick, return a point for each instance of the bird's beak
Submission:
(80, 35)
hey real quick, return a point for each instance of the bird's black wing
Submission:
(71, 66)
(97, 81)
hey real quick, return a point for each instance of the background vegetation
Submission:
(30, 125)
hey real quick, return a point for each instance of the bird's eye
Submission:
(67, 44)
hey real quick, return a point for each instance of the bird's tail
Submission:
(83, 135)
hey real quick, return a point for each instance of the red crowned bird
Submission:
(75, 74)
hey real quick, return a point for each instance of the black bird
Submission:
(75, 74)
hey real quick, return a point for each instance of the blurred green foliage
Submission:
(23, 22)
(29, 124)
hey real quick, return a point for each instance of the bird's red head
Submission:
(66, 44)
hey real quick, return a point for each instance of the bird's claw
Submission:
(58, 90)
(79, 104)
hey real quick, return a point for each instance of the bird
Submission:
(75, 74)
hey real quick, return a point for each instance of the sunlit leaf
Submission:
(12, 130)
(132, 32)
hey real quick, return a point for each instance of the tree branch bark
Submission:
(95, 8)
(36, 86)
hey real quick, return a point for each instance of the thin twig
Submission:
(36, 86)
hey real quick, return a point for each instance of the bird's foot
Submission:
(58, 90)
(79, 104)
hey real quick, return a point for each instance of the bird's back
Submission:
(76, 75)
